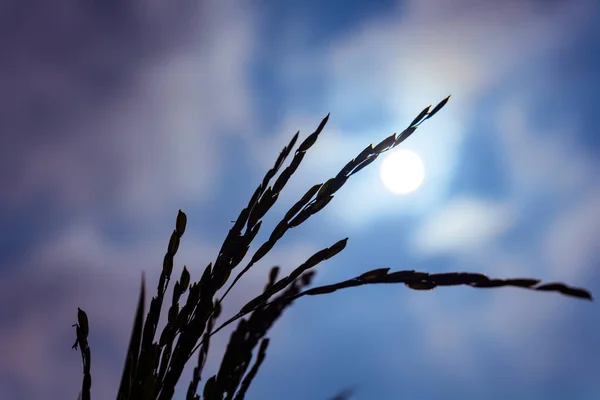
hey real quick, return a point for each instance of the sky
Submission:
(114, 115)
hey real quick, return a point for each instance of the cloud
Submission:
(551, 167)
(548, 159)
(132, 108)
(570, 247)
(470, 50)
(379, 76)
(462, 225)
(111, 112)
(121, 105)
(548, 171)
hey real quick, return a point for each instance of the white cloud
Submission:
(154, 138)
(570, 246)
(188, 104)
(409, 63)
(462, 225)
(403, 61)
(551, 164)
(548, 161)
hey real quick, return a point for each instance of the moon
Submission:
(402, 171)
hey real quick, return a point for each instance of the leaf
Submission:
(278, 286)
(438, 107)
(177, 292)
(253, 232)
(448, 279)
(311, 262)
(83, 322)
(336, 184)
(550, 287)
(421, 285)
(336, 248)
(168, 264)
(209, 387)
(319, 205)
(321, 290)
(318, 257)
(302, 202)
(420, 116)
(167, 333)
(457, 278)
(205, 280)
(293, 141)
(300, 218)
(267, 201)
(298, 157)
(363, 155)
(182, 318)
(242, 218)
(525, 283)
(279, 231)
(373, 274)
(180, 222)
(387, 142)
(172, 316)
(405, 276)
(255, 302)
(282, 180)
(364, 164)
(173, 243)
(405, 134)
(273, 274)
(262, 251)
(220, 276)
(566, 290)
(285, 152)
(252, 373)
(261, 207)
(347, 168)
(312, 138)
(184, 281)
(306, 278)
(308, 142)
(577, 292)
(87, 384)
(490, 283)
(216, 309)
(475, 277)
(324, 189)
(134, 348)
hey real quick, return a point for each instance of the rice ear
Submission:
(131, 363)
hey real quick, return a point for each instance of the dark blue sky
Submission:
(114, 116)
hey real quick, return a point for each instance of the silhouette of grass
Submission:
(152, 369)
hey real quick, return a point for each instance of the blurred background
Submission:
(114, 114)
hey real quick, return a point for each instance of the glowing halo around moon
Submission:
(402, 171)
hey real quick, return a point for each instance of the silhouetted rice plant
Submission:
(153, 366)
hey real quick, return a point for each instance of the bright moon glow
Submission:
(402, 171)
